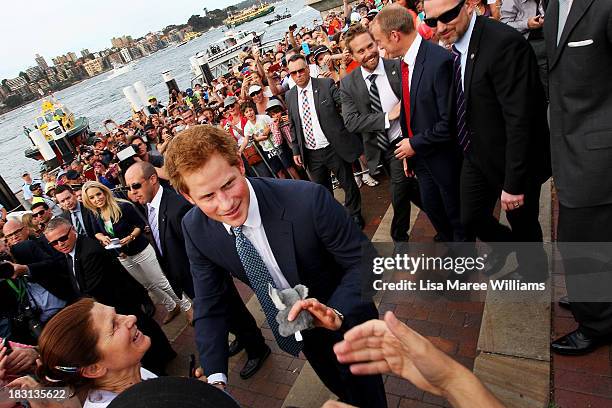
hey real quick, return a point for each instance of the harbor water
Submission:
(101, 98)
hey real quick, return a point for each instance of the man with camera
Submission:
(33, 284)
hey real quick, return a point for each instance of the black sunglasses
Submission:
(135, 186)
(297, 71)
(63, 238)
(37, 214)
(255, 93)
(445, 17)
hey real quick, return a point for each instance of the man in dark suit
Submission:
(322, 143)
(500, 120)
(165, 211)
(79, 216)
(95, 272)
(579, 46)
(268, 232)
(427, 145)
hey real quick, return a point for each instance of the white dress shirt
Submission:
(411, 55)
(254, 230)
(155, 204)
(463, 46)
(388, 100)
(320, 139)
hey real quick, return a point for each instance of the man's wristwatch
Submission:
(340, 315)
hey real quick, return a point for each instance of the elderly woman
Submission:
(119, 219)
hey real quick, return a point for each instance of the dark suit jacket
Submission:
(506, 108)
(174, 261)
(327, 107)
(100, 275)
(47, 267)
(357, 112)
(581, 102)
(88, 220)
(314, 242)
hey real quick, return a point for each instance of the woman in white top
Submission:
(94, 351)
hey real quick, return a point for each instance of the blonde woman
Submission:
(118, 218)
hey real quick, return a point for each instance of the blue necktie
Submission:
(259, 277)
(462, 129)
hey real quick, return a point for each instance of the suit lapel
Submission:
(278, 231)
(416, 75)
(472, 56)
(161, 220)
(316, 96)
(579, 7)
(394, 76)
(362, 89)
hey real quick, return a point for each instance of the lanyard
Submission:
(18, 290)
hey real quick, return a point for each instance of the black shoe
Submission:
(254, 364)
(574, 344)
(564, 302)
(496, 261)
(235, 347)
(358, 219)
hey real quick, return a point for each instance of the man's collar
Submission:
(156, 201)
(463, 44)
(253, 216)
(77, 208)
(411, 54)
(378, 71)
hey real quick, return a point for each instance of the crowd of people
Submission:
(232, 180)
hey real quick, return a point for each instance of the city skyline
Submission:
(75, 28)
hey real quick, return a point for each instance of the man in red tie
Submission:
(428, 146)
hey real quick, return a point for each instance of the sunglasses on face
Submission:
(255, 93)
(445, 17)
(37, 214)
(297, 71)
(14, 233)
(63, 238)
(134, 187)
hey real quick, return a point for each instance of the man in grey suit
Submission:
(579, 46)
(322, 143)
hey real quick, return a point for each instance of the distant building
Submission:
(115, 59)
(34, 73)
(85, 52)
(72, 56)
(125, 54)
(17, 83)
(122, 42)
(94, 66)
(40, 61)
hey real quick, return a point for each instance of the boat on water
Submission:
(279, 17)
(249, 14)
(55, 134)
(121, 69)
(225, 52)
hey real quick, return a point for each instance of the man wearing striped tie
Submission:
(323, 145)
(500, 122)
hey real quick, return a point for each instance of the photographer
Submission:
(24, 301)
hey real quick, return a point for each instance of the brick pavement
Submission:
(453, 326)
(583, 381)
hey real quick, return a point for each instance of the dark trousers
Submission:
(364, 391)
(321, 162)
(590, 224)
(478, 199)
(243, 325)
(539, 48)
(404, 190)
(440, 198)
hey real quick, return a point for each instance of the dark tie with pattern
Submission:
(381, 136)
(260, 277)
(462, 129)
(77, 224)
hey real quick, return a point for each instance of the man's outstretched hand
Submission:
(323, 316)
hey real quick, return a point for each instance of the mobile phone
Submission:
(5, 343)
(274, 67)
(306, 48)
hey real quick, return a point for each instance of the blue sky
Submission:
(52, 28)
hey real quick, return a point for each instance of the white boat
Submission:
(121, 69)
(224, 52)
